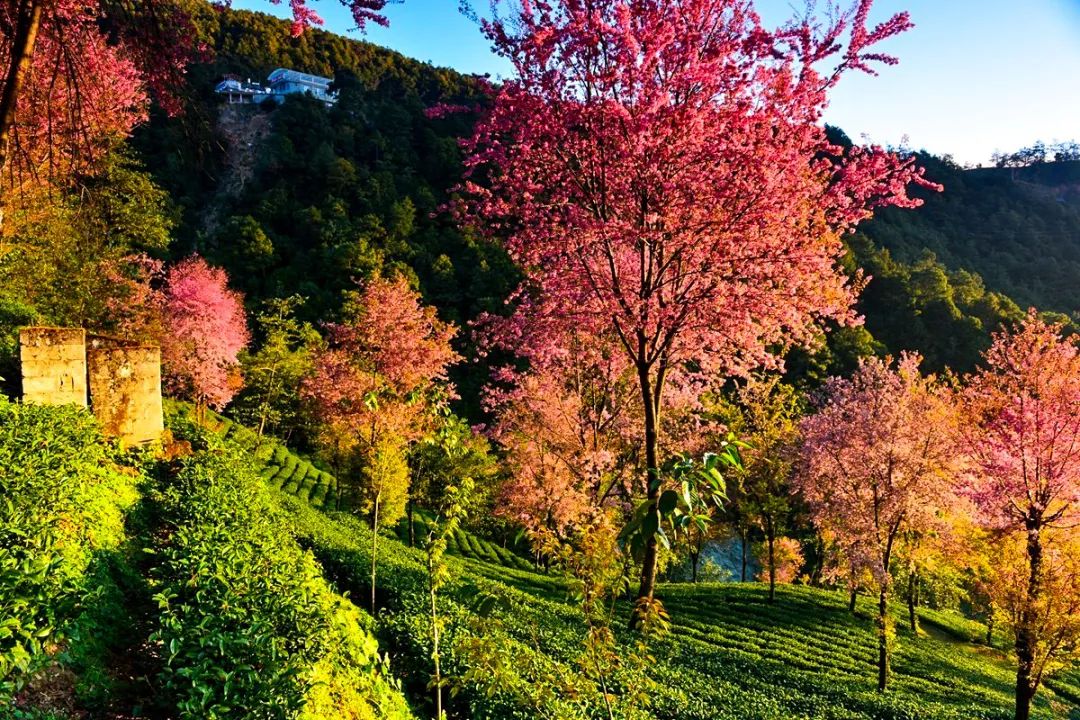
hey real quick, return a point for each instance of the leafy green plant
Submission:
(699, 487)
(63, 499)
(248, 626)
(452, 508)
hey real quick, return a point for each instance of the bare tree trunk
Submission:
(883, 636)
(912, 600)
(412, 527)
(650, 399)
(990, 627)
(435, 647)
(27, 25)
(884, 627)
(1026, 636)
(853, 598)
(264, 408)
(743, 539)
(374, 549)
(694, 557)
(772, 566)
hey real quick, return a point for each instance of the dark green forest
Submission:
(1015, 227)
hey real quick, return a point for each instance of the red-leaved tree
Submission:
(660, 171)
(203, 330)
(374, 389)
(569, 441)
(876, 466)
(569, 432)
(1022, 438)
(74, 77)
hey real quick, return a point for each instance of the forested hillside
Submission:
(328, 195)
(1018, 228)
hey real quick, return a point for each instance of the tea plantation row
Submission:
(300, 478)
(274, 462)
(133, 586)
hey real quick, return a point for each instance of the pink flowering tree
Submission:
(780, 562)
(75, 75)
(661, 173)
(876, 464)
(70, 89)
(570, 431)
(1021, 434)
(375, 389)
(304, 16)
(382, 368)
(203, 331)
(569, 434)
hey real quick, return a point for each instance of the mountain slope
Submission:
(1017, 228)
(329, 196)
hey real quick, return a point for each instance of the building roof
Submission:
(287, 75)
(238, 86)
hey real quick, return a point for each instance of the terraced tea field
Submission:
(281, 468)
(467, 545)
(729, 655)
(298, 477)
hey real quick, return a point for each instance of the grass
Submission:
(955, 624)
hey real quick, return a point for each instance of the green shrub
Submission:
(318, 495)
(63, 504)
(248, 625)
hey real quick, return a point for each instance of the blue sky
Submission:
(975, 76)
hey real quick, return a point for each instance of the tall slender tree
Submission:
(876, 464)
(373, 391)
(1022, 438)
(660, 172)
(766, 418)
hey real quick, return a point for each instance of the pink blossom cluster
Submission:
(204, 329)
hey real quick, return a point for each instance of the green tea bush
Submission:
(248, 625)
(520, 663)
(63, 500)
(277, 466)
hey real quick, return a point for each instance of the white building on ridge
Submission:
(280, 83)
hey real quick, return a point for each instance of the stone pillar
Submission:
(125, 389)
(53, 365)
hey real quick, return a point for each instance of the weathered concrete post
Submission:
(53, 365)
(59, 366)
(125, 388)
